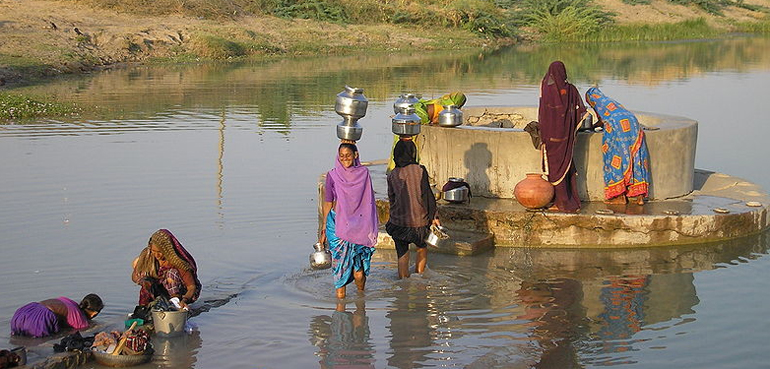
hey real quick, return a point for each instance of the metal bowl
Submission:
(122, 360)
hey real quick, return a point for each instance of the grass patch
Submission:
(17, 106)
(760, 27)
(689, 29)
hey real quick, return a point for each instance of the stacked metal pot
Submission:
(405, 123)
(351, 105)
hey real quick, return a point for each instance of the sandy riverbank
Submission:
(46, 37)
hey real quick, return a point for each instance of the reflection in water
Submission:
(411, 333)
(179, 351)
(278, 92)
(555, 314)
(343, 339)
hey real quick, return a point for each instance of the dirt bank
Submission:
(47, 37)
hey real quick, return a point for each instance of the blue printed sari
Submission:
(346, 256)
(626, 159)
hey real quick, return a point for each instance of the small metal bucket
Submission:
(169, 322)
(437, 233)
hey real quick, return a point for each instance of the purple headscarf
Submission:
(356, 219)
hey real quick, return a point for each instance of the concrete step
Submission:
(462, 243)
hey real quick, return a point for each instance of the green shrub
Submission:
(711, 6)
(216, 47)
(479, 16)
(312, 9)
(563, 20)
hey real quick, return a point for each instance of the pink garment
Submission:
(75, 317)
(356, 219)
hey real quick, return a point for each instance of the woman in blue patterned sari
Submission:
(626, 159)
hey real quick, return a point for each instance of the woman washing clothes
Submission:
(165, 268)
(350, 220)
(412, 207)
(624, 149)
(47, 317)
(560, 112)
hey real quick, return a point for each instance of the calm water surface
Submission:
(227, 157)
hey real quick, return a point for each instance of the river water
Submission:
(227, 157)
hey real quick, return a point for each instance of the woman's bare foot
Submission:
(640, 200)
(617, 200)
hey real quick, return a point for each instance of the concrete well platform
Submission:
(484, 223)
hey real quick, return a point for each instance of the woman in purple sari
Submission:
(44, 318)
(350, 221)
(560, 112)
(165, 268)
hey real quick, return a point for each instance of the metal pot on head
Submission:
(321, 258)
(406, 100)
(351, 103)
(349, 130)
(450, 117)
(406, 122)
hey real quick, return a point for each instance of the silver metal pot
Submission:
(458, 195)
(351, 103)
(406, 100)
(437, 233)
(450, 117)
(321, 258)
(406, 122)
(349, 130)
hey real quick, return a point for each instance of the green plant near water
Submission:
(17, 106)
(563, 20)
(689, 29)
(761, 27)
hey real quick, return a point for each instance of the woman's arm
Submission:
(325, 209)
(191, 287)
(428, 198)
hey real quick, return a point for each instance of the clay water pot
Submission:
(533, 192)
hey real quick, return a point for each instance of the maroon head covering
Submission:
(561, 108)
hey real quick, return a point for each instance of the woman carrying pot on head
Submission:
(350, 220)
(428, 111)
(412, 207)
(626, 159)
(560, 112)
(165, 268)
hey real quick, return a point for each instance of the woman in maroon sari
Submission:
(561, 110)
